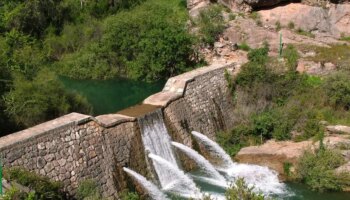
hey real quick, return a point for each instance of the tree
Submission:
(43, 98)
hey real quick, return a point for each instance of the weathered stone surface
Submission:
(274, 154)
(338, 129)
(334, 20)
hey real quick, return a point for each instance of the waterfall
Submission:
(155, 136)
(201, 162)
(149, 187)
(172, 179)
(215, 150)
(262, 178)
(180, 183)
(156, 140)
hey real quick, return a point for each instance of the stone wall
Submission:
(76, 147)
(205, 107)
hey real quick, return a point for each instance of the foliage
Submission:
(127, 195)
(287, 168)
(274, 101)
(240, 190)
(291, 25)
(317, 170)
(211, 24)
(88, 189)
(278, 26)
(13, 194)
(338, 90)
(43, 187)
(150, 42)
(33, 17)
(339, 55)
(239, 137)
(41, 99)
(244, 46)
(292, 56)
(84, 39)
(305, 33)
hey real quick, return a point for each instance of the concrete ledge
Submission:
(162, 98)
(110, 120)
(39, 130)
(175, 87)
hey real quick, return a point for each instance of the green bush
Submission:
(338, 90)
(43, 98)
(14, 194)
(211, 23)
(291, 55)
(88, 189)
(239, 137)
(127, 195)
(43, 187)
(149, 42)
(240, 190)
(244, 46)
(316, 169)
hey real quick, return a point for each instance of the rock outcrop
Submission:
(275, 154)
(334, 20)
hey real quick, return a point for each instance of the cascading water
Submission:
(215, 150)
(173, 180)
(149, 187)
(181, 184)
(206, 168)
(262, 178)
(157, 142)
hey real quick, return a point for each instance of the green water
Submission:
(109, 96)
(297, 191)
(303, 192)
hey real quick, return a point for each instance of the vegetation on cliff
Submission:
(273, 100)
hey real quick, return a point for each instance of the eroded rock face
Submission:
(334, 20)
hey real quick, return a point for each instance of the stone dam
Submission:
(76, 147)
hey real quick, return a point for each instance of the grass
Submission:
(304, 33)
(336, 54)
(345, 38)
(244, 46)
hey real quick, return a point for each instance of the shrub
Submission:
(240, 190)
(263, 125)
(14, 194)
(316, 169)
(149, 42)
(291, 55)
(278, 26)
(305, 33)
(211, 24)
(338, 90)
(127, 195)
(291, 25)
(88, 189)
(43, 187)
(43, 98)
(244, 46)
